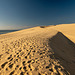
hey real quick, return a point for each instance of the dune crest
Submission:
(37, 51)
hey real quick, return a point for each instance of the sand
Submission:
(38, 51)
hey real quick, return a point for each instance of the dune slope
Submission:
(36, 51)
(64, 50)
(68, 30)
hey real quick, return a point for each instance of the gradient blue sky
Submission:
(18, 14)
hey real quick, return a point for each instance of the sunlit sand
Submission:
(48, 50)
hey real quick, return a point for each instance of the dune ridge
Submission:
(64, 51)
(37, 51)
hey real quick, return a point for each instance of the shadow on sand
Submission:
(64, 50)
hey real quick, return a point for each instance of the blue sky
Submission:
(19, 14)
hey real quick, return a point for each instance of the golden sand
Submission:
(38, 51)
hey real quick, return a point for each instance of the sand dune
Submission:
(68, 30)
(64, 50)
(38, 51)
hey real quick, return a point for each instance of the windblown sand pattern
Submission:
(29, 52)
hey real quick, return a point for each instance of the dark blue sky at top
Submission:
(22, 13)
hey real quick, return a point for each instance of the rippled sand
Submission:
(38, 51)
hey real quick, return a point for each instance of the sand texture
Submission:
(38, 51)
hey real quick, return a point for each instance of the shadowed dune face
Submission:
(64, 50)
(67, 29)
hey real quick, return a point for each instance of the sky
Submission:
(20, 14)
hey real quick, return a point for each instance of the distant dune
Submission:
(42, 50)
